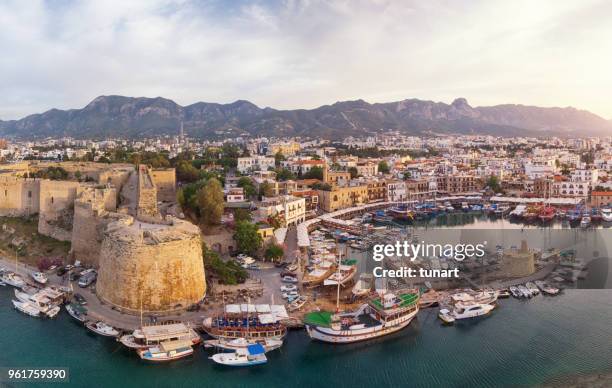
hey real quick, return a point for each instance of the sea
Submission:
(523, 343)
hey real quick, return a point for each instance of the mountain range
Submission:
(137, 117)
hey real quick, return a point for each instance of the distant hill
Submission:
(132, 117)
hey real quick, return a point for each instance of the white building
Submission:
(254, 163)
(396, 191)
(290, 209)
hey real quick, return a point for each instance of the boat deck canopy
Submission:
(174, 345)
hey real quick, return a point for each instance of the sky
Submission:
(303, 54)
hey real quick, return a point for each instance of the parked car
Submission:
(291, 298)
(80, 299)
(289, 279)
(288, 287)
(253, 267)
(87, 279)
(61, 271)
(75, 274)
(287, 273)
(290, 294)
(292, 267)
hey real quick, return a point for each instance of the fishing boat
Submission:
(381, 217)
(363, 286)
(606, 214)
(248, 321)
(585, 222)
(40, 301)
(153, 335)
(298, 303)
(318, 275)
(401, 212)
(345, 273)
(26, 308)
(77, 312)
(102, 328)
(253, 355)
(472, 310)
(531, 214)
(39, 277)
(501, 210)
(269, 344)
(547, 214)
(382, 315)
(532, 288)
(518, 211)
(12, 279)
(546, 288)
(167, 351)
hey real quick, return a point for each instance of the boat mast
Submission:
(338, 281)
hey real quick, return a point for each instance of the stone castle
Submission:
(120, 219)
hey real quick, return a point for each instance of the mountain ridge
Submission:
(132, 117)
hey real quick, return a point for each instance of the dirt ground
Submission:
(21, 235)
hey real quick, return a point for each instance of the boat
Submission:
(318, 275)
(518, 211)
(467, 311)
(525, 291)
(26, 308)
(269, 344)
(77, 312)
(585, 222)
(446, 316)
(465, 207)
(547, 214)
(532, 288)
(606, 214)
(102, 328)
(363, 286)
(531, 214)
(516, 292)
(253, 355)
(2, 284)
(401, 212)
(501, 210)
(47, 306)
(12, 279)
(248, 321)
(167, 351)
(298, 303)
(39, 277)
(345, 273)
(153, 335)
(502, 294)
(384, 314)
(381, 217)
(546, 288)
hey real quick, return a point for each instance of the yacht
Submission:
(12, 279)
(26, 308)
(269, 344)
(606, 214)
(39, 300)
(167, 351)
(466, 311)
(252, 355)
(39, 277)
(382, 315)
(102, 329)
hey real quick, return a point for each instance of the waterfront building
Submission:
(343, 197)
(601, 198)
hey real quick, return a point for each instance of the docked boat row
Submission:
(531, 289)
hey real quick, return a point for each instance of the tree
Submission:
(493, 183)
(353, 171)
(278, 158)
(247, 185)
(565, 170)
(284, 174)
(242, 215)
(274, 252)
(314, 173)
(383, 167)
(185, 172)
(247, 238)
(228, 272)
(210, 202)
(266, 189)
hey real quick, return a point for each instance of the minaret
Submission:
(182, 134)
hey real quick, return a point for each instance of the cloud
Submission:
(305, 53)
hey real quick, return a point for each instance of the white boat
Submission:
(153, 335)
(446, 316)
(12, 279)
(547, 289)
(345, 273)
(252, 355)
(26, 308)
(39, 277)
(467, 311)
(2, 284)
(102, 329)
(516, 292)
(269, 344)
(297, 304)
(518, 210)
(382, 315)
(532, 288)
(77, 312)
(606, 214)
(585, 222)
(525, 291)
(167, 351)
(40, 301)
(363, 286)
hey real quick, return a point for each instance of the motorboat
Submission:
(533, 288)
(585, 222)
(466, 311)
(502, 294)
(149, 336)
(269, 344)
(446, 316)
(518, 211)
(252, 355)
(41, 301)
(167, 351)
(39, 277)
(12, 279)
(606, 214)
(102, 328)
(546, 288)
(516, 292)
(525, 291)
(26, 308)
(77, 312)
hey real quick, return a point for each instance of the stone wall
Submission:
(165, 181)
(19, 197)
(57, 208)
(147, 194)
(158, 267)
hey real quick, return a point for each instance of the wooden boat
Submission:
(547, 214)
(252, 355)
(102, 329)
(345, 273)
(167, 351)
(40, 301)
(363, 286)
(249, 321)
(317, 276)
(152, 335)
(298, 303)
(77, 312)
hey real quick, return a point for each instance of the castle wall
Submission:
(154, 266)
(57, 208)
(147, 195)
(19, 197)
(165, 181)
